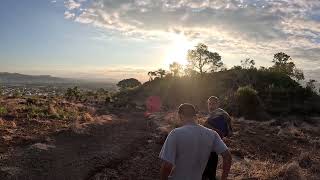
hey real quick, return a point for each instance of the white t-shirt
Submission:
(188, 148)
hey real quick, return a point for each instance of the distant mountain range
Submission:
(7, 78)
(16, 78)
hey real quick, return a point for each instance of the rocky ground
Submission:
(107, 146)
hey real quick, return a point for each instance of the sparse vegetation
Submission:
(3, 111)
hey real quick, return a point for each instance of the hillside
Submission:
(278, 94)
(106, 135)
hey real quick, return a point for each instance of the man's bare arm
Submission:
(227, 158)
(165, 171)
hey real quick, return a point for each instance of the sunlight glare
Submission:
(177, 51)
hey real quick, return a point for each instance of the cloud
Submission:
(244, 27)
(68, 15)
(72, 4)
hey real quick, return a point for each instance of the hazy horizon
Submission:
(117, 39)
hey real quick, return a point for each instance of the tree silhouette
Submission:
(175, 68)
(311, 85)
(128, 83)
(283, 64)
(248, 63)
(202, 60)
(151, 75)
(161, 73)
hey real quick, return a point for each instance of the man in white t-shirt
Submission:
(186, 150)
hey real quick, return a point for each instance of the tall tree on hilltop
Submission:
(203, 60)
(284, 64)
(175, 68)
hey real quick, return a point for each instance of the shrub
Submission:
(35, 112)
(3, 111)
(249, 103)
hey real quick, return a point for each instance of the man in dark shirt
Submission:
(220, 121)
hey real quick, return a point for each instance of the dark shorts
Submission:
(211, 168)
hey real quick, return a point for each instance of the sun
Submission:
(178, 49)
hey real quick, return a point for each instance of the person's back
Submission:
(194, 143)
(187, 149)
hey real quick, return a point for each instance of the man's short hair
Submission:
(213, 98)
(187, 110)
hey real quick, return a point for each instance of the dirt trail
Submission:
(70, 155)
(127, 148)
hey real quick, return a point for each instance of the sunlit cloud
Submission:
(72, 4)
(234, 27)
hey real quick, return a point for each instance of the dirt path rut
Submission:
(74, 156)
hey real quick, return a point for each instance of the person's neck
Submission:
(189, 122)
(213, 110)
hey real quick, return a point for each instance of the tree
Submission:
(128, 83)
(298, 74)
(283, 64)
(161, 73)
(248, 63)
(151, 75)
(202, 60)
(237, 67)
(175, 68)
(311, 85)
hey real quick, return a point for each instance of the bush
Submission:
(3, 111)
(249, 103)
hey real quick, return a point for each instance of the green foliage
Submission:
(73, 94)
(128, 83)
(17, 93)
(247, 96)
(34, 111)
(3, 111)
(249, 104)
(203, 60)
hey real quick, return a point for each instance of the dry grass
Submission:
(247, 168)
(86, 117)
(290, 171)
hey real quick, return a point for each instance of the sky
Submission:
(127, 38)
